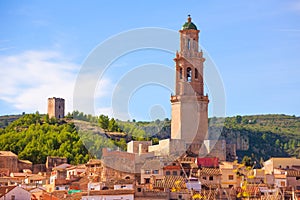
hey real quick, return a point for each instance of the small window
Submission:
(189, 74)
(189, 44)
(147, 180)
(211, 178)
(13, 197)
(180, 73)
(230, 186)
(174, 173)
(155, 172)
(168, 173)
(204, 177)
(196, 73)
(147, 172)
(139, 189)
(230, 177)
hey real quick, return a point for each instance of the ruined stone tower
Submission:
(56, 107)
(189, 104)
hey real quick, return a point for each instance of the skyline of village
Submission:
(155, 100)
(193, 161)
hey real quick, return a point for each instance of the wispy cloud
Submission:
(29, 78)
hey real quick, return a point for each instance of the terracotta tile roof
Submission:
(62, 166)
(169, 182)
(5, 189)
(110, 192)
(209, 171)
(252, 190)
(36, 177)
(82, 166)
(93, 162)
(210, 185)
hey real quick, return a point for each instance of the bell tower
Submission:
(189, 104)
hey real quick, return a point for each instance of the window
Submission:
(204, 177)
(147, 172)
(230, 186)
(282, 184)
(12, 197)
(196, 73)
(155, 172)
(211, 178)
(189, 44)
(174, 173)
(230, 177)
(147, 180)
(180, 73)
(139, 189)
(189, 74)
(168, 173)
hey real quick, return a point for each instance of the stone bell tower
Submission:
(189, 104)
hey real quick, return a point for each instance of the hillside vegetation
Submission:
(33, 137)
(80, 137)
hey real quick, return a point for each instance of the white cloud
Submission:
(30, 78)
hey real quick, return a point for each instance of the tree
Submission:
(112, 125)
(277, 143)
(247, 161)
(238, 119)
(103, 121)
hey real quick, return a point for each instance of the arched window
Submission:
(196, 73)
(189, 44)
(180, 73)
(189, 74)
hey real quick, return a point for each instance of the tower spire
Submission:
(189, 19)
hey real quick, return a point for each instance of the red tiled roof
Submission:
(208, 162)
(209, 171)
(169, 182)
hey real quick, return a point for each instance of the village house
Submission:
(280, 163)
(14, 192)
(229, 178)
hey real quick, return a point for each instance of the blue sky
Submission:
(254, 44)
